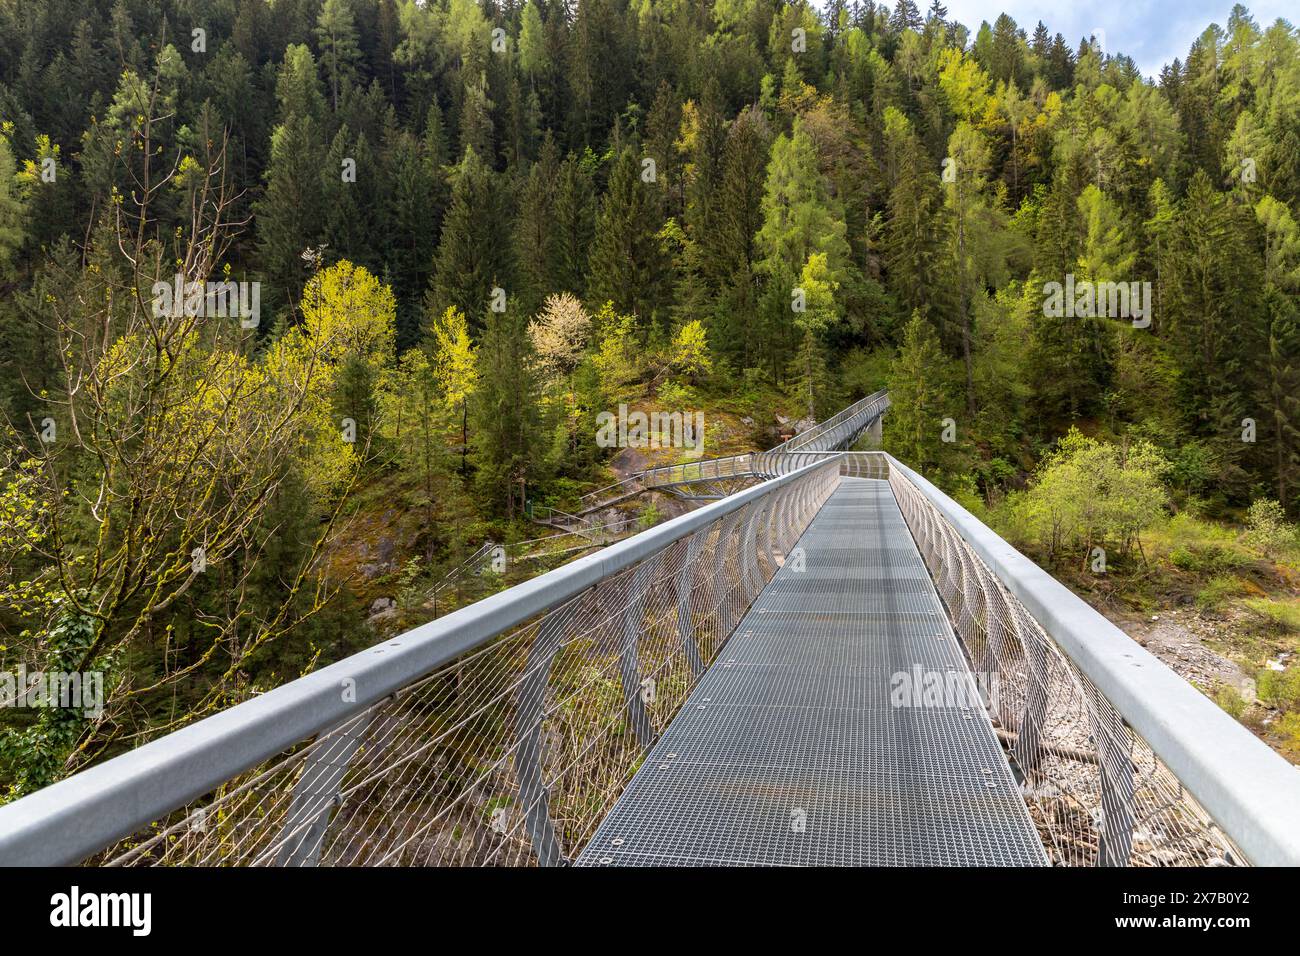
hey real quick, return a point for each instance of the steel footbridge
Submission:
(836, 665)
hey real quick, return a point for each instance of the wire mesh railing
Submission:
(503, 733)
(508, 751)
(1097, 791)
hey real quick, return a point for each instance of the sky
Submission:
(1152, 33)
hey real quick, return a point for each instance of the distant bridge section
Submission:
(715, 478)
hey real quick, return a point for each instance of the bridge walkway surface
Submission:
(789, 751)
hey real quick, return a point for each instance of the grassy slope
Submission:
(1218, 613)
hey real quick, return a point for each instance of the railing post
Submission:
(685, 582)
(993, 612)
(763, 549)
(752, 574)
(315, 795)
(629, 665)
(775, 524)
(529, 714)
(1028, 747)
(1115, 765)
(725, 587)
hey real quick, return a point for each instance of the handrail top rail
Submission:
(796, 442)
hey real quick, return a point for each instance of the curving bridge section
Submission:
(714, 478)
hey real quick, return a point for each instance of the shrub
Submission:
(1204, 560)
(674, 395)
(1089, 492)
(1267, 530)
(1217, 591)
(690, 351)
(1289, 728)
(1230, 699)
(1279, 689)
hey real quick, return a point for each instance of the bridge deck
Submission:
(789, 751)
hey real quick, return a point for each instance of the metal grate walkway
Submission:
(789, 751)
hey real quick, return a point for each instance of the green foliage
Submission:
(1205, 560)
(1089, 493)
(690, 351)
(619, 357)
(508, 437)
(628, 265)
(1279, 689)
(33, 756)
(1218, 591)
(1230, 699)
(472, 258)
(1284, 615)
(13, 210)
(922, 397)
(1267, 529)
(820, 174)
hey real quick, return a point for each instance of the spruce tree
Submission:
(508, 439)
(628, 265)
(574, 228)
(535, 232)
(474, 254)
(336, 36)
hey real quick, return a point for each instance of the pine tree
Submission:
(1060, 71)
(535, 232)
(414, 213)
(920, 397)
(1006, 50)
(740, 206)
(1281, 389)
(911, 243)
(662, 126)
(1042, 42)
(289, 212)
(474, 254)
(906, 16)
(508, 434)
(476, 128)
(628, 265)
(341, 205)
(574, 228)
(1217, 323)
(13, 211)
(336, 35)
(811, 376)
(704, 136)
(800, 217)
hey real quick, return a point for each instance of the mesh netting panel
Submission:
(1095, 789)
(513, 753)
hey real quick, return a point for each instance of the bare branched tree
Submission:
(158, 459)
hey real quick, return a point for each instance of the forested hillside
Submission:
(441, 237)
